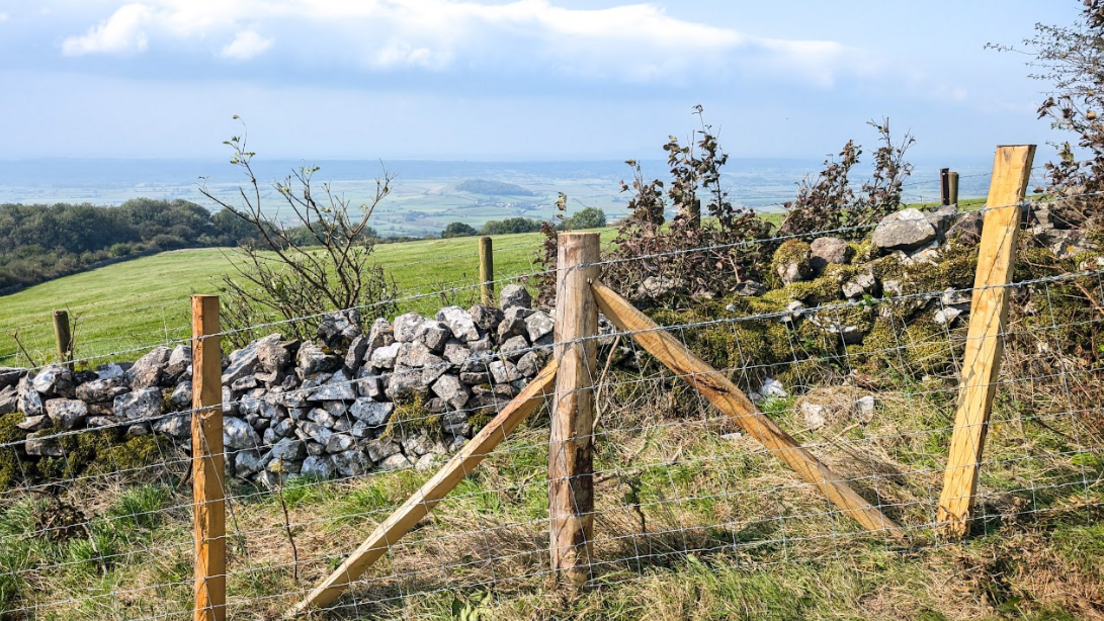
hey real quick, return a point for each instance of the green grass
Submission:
(139, 303)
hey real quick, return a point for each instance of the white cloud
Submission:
(635, 43)
(246, 45)
(123, 32)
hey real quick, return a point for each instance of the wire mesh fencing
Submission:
(97, 519)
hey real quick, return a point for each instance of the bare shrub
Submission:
(319, 260)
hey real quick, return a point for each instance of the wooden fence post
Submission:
(486, 272)
(952, 187)
(571, 442)
(207, 461)
(945, 186)
(984, 339)
(63, 334)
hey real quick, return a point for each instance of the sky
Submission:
(512, 80)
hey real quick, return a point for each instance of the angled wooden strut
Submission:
(422, 501)
(984, 338)
(726, 397)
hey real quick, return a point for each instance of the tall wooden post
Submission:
(945, 186)
(63, 334)
(207, 461)
(571, 443)
(486, 272)
(984, 339)
(952, 187)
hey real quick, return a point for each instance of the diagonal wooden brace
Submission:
(726, 397)
(422, 501)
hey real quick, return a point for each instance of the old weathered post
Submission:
(945, 186)
(952, 188)
(984, 338)
(207, 461)
(571, 442)
(63, 334)
(486, 272)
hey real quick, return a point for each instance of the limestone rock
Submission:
(372, 413)
(514, 296)
(538, 325)
(749, 288)
(433, 334)
(513, 323)
(379, 450)
(318, 466)
(351, 463)
(140, 404)
(238, 434)
(827, 251)
(245, 361)
(54, 381)
(417, 355)
(9, 400)
(42, 445)
(66, 413)
(179, 362)
(147, 370)
(451, 390)
(102, 390)
(34, 423)
(111, 370)
(29, 400)
(504, 371)
(384, 357)
(514, 348)
(10, 376)
(406, 326)
(312, 360)
(338, 329)
(460, 322)
(907, 229)
(380, 334)
(339, 387)
(354, 355)
(486, 318)
(178, 426)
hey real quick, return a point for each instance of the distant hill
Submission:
(492, 188)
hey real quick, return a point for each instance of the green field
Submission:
(138, 304)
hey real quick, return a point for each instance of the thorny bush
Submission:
(727, 239)
(829, 203)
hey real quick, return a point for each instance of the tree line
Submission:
(40, 242)
(586, 218)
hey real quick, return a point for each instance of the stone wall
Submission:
(361, 397)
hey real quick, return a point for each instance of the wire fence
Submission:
(96, 521)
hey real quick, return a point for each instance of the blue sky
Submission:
(526, 79)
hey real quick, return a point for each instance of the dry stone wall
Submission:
(363, 396)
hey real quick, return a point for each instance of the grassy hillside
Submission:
(143, 302)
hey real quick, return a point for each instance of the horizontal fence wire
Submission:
(675, 481)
